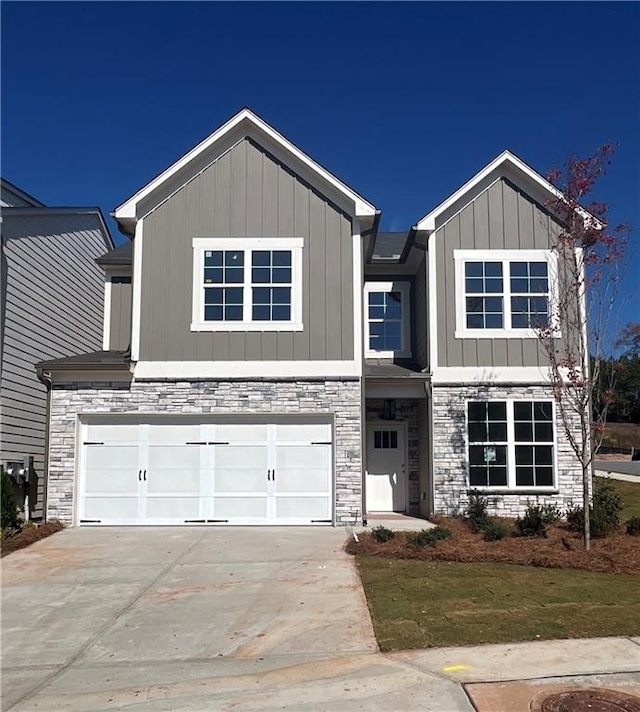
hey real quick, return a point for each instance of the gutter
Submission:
(372, 243)
(45, 377)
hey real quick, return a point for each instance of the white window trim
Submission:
(200, 244)
(404, 287)
(511, 486)
(505, 256)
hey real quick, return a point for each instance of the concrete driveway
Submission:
(198, 619)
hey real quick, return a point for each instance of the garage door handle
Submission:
(144, 476)
(139, 475)
(268, 475)
(273, 475)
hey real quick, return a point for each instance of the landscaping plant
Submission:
(476, 512)
(428, 537)
(604, 512)
(382, 534)
(532, 522)
(633, 526)
(494, 530)
(9, 510)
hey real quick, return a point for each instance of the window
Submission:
(255, 286)
(385, 439)
(511, 444)
(387, 319)
(509, 295)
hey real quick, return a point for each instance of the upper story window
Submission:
(247, 284)
(387, 319)
(511, 444)
(509, 294)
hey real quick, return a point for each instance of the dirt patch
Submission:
(562, 549)
(28, 536)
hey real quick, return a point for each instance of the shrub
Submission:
(604, 511)
(8, 509)
(550, 513)
(633, 526)
(532, 522)
(382, 534)
(476, 512)
(495, 530)
(428, 537)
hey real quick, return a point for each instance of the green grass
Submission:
(417, 604)
(630, 493)
(621, 435)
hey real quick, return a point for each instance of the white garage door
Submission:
(182, 473)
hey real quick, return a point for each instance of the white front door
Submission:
(386, 467)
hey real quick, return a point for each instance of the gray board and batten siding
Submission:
(53, 294)
(120, 313)
(246, 192)
(501, 218)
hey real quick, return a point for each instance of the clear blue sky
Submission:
(402, 101)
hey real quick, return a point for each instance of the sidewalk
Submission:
(506, 678)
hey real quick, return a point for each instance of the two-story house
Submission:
(271, 357)
(51, 306)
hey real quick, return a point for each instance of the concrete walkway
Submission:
(244, 619)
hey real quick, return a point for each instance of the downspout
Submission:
(46, 379)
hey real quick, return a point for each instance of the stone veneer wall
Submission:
(340, 397)
(407, 412)
(450, 453)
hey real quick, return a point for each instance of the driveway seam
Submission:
(83, 648)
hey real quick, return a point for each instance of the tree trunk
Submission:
(586, 504)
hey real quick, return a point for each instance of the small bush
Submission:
(633, 526)
(532, 522)
(382, 534)
(604, 512)
(550, 513)
(8, 509)
(428, 537)
(494, 530)
(476, 512)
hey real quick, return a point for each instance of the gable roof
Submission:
(506, 165)
(245, 123)
(10, 191)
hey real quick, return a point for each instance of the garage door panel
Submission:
(174, 434)
(236, 433)
(303, 468)
(238, 508)
(316, 432)
(124, 433)
(115, 509)
(317, 508)
(112, 481)
(173, 508)
(240, 469)
(112, 456)
(173, 481)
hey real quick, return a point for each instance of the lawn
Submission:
(622, 435)
(417, 604)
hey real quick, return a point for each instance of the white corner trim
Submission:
(106, 321)
(358, 282)
(246, 369)
(127, 210)
(432, 324)
(491, 374)
(403, 286)
(136, 297)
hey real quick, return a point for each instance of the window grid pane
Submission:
(385, 439)
(385, 321)
(487, 431)
(272, 271)
(484, 291)
(533, 425)
(528, 279)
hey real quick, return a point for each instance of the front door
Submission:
(386, 467)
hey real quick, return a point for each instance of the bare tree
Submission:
(577, 337)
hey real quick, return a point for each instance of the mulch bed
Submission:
(28, 536)
(562, 549)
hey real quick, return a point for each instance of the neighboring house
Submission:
(289, 363)
(51, 306)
